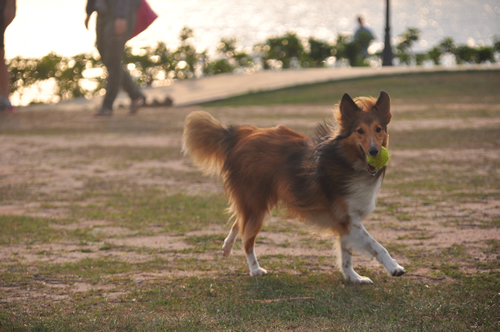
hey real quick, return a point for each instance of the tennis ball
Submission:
(380, 160)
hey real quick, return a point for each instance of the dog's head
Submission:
(363, 124)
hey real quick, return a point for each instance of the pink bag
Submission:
(145, 16)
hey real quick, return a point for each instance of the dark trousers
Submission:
(111, 47)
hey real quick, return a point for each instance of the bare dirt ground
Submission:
(36, 164)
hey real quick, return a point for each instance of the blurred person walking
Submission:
(363, 36)
(7, 14)
(116, 20)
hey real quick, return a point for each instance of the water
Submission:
(57, 25)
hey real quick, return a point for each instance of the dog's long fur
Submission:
(324, 180)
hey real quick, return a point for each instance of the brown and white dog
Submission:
(324, 180)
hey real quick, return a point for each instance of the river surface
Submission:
(57, 25)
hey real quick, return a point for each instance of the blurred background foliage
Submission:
(84, 75)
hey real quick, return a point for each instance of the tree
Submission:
(285, 49)
(403, 49)
(319, 51)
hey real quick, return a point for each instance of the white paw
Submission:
(227, 250)
(227, 247)
(258, 272)
(398, 271)
(361, 280)
(355, 278)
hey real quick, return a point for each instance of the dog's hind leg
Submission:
(250, 230)
(230, 239)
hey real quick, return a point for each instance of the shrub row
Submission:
(154, 65)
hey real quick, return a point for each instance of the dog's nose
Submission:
(373, 151)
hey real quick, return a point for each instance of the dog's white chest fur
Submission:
(363, 194)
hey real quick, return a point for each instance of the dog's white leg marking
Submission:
(251, 228)
(255, 269)
(346, 261)
(230, 240)
(359, 238)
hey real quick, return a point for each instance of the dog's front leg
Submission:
(346, 262)
(359, 238)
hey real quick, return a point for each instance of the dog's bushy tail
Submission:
(205, 139)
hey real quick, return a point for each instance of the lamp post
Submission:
(387, 54)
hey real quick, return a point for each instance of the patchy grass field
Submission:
(104, 225)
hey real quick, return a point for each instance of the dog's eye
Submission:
(361, 131)
(378, 130)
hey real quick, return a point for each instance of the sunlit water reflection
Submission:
(57, 25)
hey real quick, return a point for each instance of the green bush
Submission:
(403, 49)
(285, 49)
(230, 58)
(435, 55)
(219, 67)
(463, 53)
(159, 63)
(318, 53)
(485, 54)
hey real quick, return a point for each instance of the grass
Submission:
(72, 125)
(445, 138)
(139, 209)
(124, 237)
(434, 88)
(121, 153)
(442, 177)
(193, 304)
(442, 111)
(28, 230)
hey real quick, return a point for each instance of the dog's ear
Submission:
(383, 107)
(348, 108)
(348, 114)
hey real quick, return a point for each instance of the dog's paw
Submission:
(398, 271)
(361, 280)
(227, 248)
(258, 272)
(355, 278)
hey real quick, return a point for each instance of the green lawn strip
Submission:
(202, 243)
(27, 230)
(75, 124)
(447, 182)
(469, 138)
(276, 302)
(136, 210)
(120, 152)
(445, 112)
(456, 261)
(431, 88)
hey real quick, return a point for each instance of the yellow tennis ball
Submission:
(380, 160)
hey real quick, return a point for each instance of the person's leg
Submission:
(103, 29)
(128, 83)
(111, 48)
(4, 71)
(4, 75)
(135, 94)
(5, 105)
